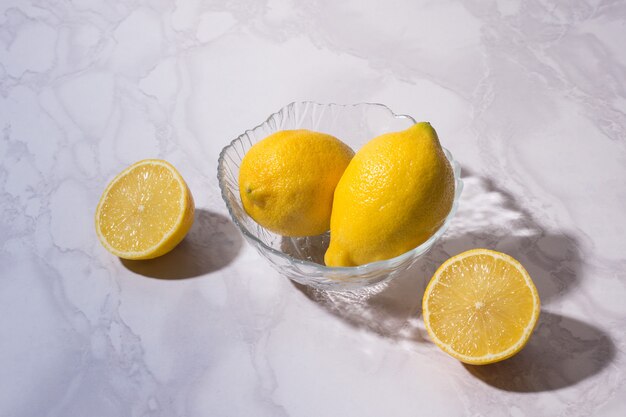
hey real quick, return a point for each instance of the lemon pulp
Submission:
(145, 211)
(481, 306)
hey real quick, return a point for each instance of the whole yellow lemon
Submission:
(287, 181)
(395, 194)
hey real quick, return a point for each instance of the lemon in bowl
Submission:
(287, 181)
(394, 195)
(301, 258)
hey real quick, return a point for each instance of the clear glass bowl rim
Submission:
(360, 269)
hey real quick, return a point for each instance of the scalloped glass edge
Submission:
(326, 271)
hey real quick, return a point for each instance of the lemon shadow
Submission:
(561, 352)
(212, 243)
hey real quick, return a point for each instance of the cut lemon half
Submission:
(145, 211)
(481, 306)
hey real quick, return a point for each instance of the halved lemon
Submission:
(481, 306)
(145, 211)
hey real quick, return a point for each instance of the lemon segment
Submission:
(287, 181)
(481, 306)
(145, 211)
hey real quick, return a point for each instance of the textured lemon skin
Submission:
(287, 181)
(495, 357)
(184, 208)
(394, 195)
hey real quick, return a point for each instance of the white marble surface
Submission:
(529, 96)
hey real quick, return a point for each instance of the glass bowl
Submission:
(302, 259)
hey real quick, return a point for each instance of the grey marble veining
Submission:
(529, 96)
